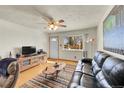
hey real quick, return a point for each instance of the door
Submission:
(54, 47)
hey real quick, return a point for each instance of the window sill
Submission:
(78, 50)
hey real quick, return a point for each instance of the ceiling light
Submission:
(55, 27)
(51, 26)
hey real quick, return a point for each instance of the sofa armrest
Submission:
(86, 60)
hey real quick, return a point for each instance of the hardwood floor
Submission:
(61, 60)
(34, 71)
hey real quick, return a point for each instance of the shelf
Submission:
(32, 60)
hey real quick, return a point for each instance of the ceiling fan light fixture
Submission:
(55, 27)
(51, 26)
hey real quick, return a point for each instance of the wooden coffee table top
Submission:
(61, 66)
(51, 69)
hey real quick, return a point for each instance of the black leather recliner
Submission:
(102, 71)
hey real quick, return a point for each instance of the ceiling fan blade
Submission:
(62, 26)
(44, 15)
(47, 18)
(61, 21)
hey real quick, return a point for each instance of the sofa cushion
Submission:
(117, 74)
(93, 63)
(101, 58)
(113, 70)
(102, 82)
(96, 55)
(88, 81)
(95, 69)
(87, 69)
(98, 62)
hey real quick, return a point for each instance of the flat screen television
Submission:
(27, 50)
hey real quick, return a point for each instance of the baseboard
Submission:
(62, 59)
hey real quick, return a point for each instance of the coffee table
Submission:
(54, 70)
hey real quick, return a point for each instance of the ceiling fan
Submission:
(52, 24)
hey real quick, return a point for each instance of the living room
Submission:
(44, 46)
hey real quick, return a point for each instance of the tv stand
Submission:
(29, 55)
(27, 62)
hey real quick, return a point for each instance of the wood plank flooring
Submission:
(32, 72)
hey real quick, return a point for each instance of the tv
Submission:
(28, 50)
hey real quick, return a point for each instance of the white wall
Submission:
(13, 35)
(100, 35)
(70, 55)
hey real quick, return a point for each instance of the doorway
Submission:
(54, 47)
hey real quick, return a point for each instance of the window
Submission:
(73, 42)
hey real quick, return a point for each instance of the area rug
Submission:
(62, 80)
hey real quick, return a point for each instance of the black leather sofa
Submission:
(103, 71)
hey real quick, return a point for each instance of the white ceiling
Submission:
(75, 16)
